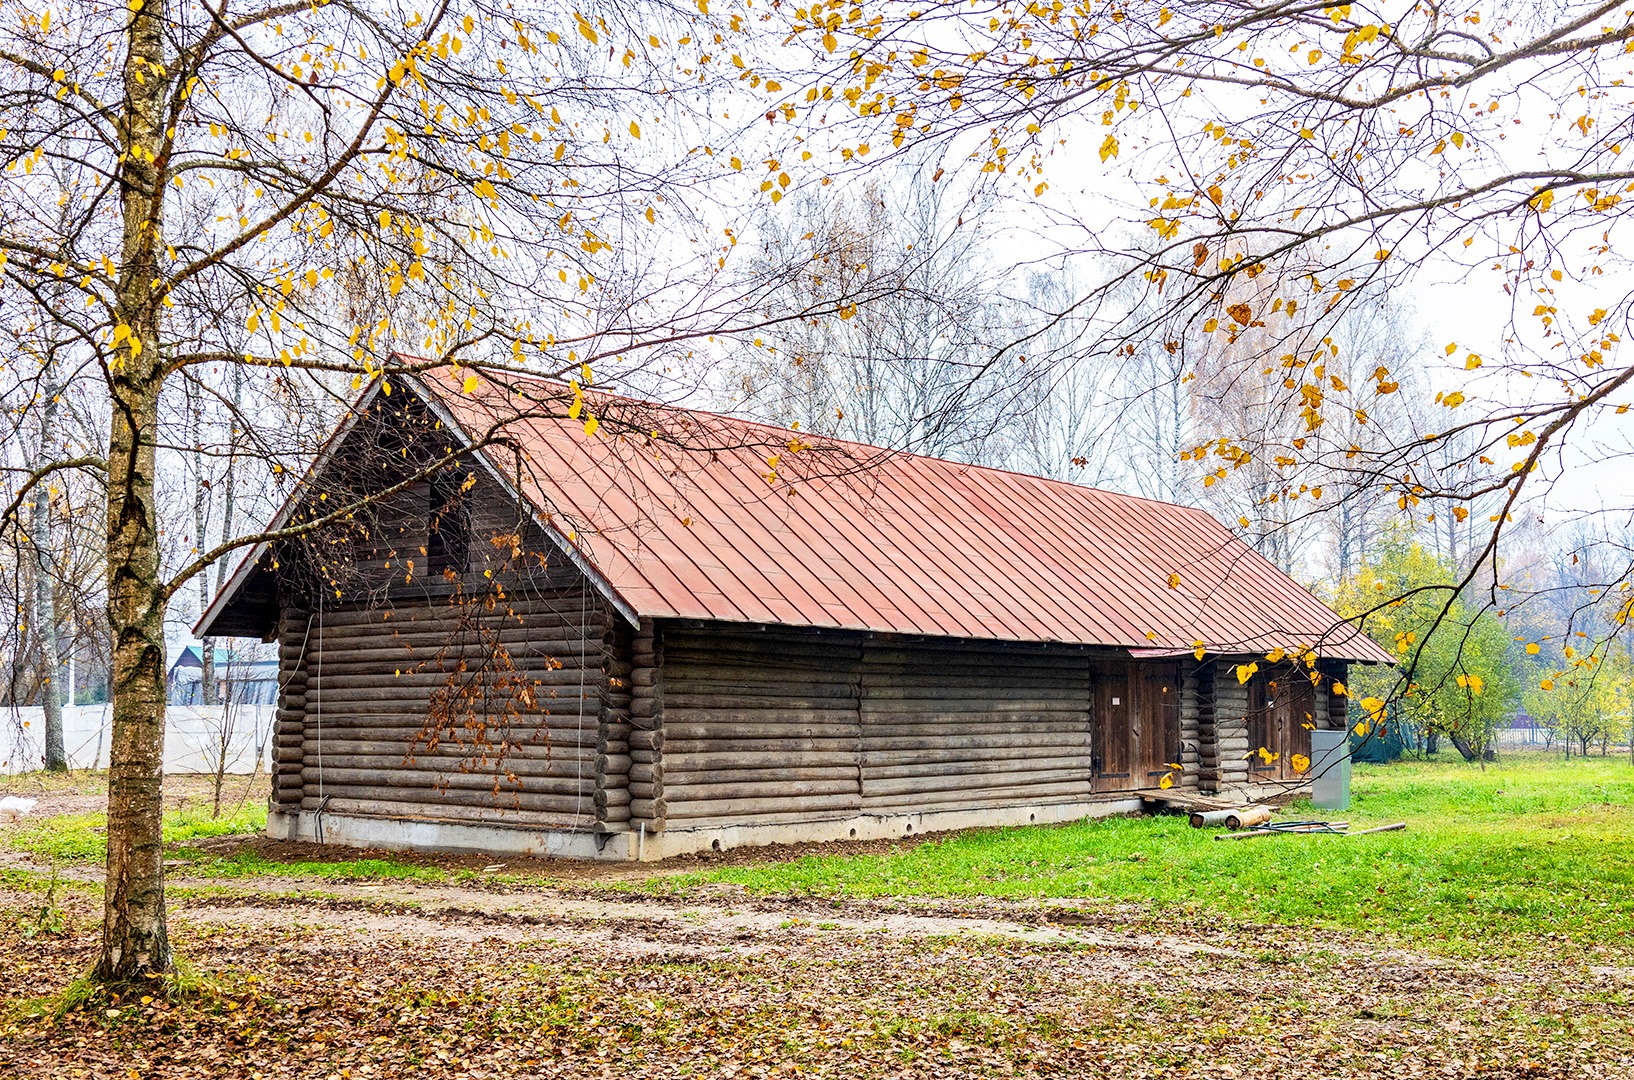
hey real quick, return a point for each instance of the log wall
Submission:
(1195, 681)
(497, 692)
(1231, 749)
(768, 726)
(759, 726)
(962, 726)
(288, 740)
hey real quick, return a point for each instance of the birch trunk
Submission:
(45, 586)
(135, 941)
(201, 526)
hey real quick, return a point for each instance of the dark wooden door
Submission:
(1281, 713)
(1134, 725)
(1112, 737)
(1158, 702)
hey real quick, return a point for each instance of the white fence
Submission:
(195, 736)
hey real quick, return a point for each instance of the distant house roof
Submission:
(227, 662)
(692, 515)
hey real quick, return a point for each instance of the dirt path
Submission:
(331, 979)
(647, 924)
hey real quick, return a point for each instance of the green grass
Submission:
(1524, 854)
(85, 836)
(254, 864)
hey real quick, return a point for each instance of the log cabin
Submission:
(519, 617)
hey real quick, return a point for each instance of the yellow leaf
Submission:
(635, 129)
(1547, 684)
(253, 321)
(1541, 201)
(1533, 649)
(590, 426)
(470, 384)
(1246, 672)
(45, 23)
(1472, 362)
(1167, 782)
(1109, 148)
(1197, 649)
(385, 219)
(1174, 581)
(1300, 763)
(652, 215)
(1339, 689)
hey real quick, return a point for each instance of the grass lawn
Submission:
(1530, 854)
(1526, 854)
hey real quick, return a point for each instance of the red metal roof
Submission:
(684, 514)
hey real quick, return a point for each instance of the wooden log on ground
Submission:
(1247, 816)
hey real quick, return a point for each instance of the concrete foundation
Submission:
(417, 834)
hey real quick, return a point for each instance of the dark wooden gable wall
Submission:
(441, 658)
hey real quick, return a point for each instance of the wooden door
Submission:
(1281, 713)
(1135, 725)
(1112, 738)
(1158, 740)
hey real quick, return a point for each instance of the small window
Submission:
(449, 539)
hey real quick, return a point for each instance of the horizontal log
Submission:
(380, 787)
(707, 694)
(612, 814)
(677, 779)
(639, 790)
(723, 718)
(646, 740)
(747, 810)
(564, 608)
(678, 760)
(523, 761)
(612, 748)
(774, 787)
(953, 708)
(968, 750)
(502, 681)
(619, 763)
(645, 774)
(560, 778)
(716, 701)
(648, 808)
(773, 734)
(613, 797)
(1021, 795)
(529, 731)
(955, 770)
(934, 725)
(975, 781)
(382, 807)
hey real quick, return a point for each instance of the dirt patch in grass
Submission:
(294, 852)
(400, 979)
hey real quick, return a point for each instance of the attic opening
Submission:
(448, 542)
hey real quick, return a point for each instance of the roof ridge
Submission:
(838, 440)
